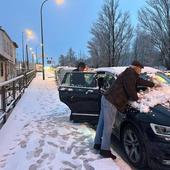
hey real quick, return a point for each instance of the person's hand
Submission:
(140, 97)
(153, 78)
(156, 82)
(157, 85)
(103, 91)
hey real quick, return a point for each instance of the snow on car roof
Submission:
(118, 70)
(66, 67)
(114, 70)
(150, 70)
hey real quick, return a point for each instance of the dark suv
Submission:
(145, 137)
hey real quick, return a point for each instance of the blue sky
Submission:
(65, 26)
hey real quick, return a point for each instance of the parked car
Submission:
(60, 72)
(145, 137)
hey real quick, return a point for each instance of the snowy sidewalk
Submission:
(39, 136)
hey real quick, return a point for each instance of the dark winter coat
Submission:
(124, 88)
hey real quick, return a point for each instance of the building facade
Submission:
(7, 56)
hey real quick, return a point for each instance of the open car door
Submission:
(80, 92)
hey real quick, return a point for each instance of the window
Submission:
(108, 80)
(2, 70)
(66, 80)
(79, 79)
(105, 79)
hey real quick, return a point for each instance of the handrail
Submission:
(30, 72)
(14, 79)
(11, 91)
(10, 81)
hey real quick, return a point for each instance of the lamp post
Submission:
(59, 2)
(28, 34)
(27, 58)
(42, 38)
(23, 55)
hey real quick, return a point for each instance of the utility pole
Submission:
(27, 57)
(23, 53)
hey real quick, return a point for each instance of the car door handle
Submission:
(66, 89)
(89, 91)
(62, 89)
(72, 98)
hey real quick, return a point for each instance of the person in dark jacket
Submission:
(124, 89)
(80, 67)
(78, 78)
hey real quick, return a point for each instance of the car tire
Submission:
(4, 119)
(133, 146)
(71, 117)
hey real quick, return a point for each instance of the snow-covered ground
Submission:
(39, 136)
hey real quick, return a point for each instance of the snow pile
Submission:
(152, 97)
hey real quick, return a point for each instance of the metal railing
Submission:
(11, 91)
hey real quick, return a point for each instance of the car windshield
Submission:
(156, 95)
(160, 77)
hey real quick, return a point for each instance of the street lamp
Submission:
(59, 2)
(27, 35)
(23, 53)
(42, 38)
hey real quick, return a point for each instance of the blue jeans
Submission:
(105, 124)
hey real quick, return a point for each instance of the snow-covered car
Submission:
(61, 71)
(143, 129)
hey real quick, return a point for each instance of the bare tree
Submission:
(111, 34)
(155, 19)
(143, 48)
(71, 59)
(62, 61)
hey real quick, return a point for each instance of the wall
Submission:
(7, 48)
(2, 71)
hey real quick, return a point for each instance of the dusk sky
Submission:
(67, 25)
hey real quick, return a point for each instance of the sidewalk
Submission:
(39, 136)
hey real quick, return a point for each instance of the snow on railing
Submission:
(10, 81)
(11, 91)
(30, 72)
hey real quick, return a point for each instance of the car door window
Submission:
(79, 79)
(105, 79)
(108, 80)
(66, 80)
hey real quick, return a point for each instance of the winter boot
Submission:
(107, 154)
(97, 146)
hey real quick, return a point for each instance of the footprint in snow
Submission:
(33, 167)
(37, 152)
(23, 144)
(70, 164)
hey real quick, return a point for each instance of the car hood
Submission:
(159, 115)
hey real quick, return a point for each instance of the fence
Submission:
(11, 91)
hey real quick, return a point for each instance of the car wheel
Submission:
(4, 119)
(71, 117)
(134, 147)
